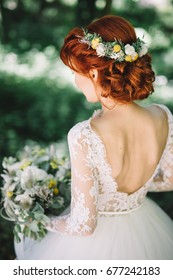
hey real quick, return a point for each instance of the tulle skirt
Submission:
(146, 233)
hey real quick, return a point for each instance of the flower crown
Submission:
(115, 50)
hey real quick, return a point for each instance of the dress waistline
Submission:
(125, 212)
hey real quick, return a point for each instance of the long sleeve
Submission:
(163, 177)
(82, 219)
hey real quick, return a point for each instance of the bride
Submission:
(117, 156)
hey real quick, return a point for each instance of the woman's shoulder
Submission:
(162, 108)
(79, 130)
(163, 120)
(162, 111)
(83, 126)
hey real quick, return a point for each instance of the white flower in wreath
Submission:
(134, 56)
(118, 56)
(100, 50)
(85, 41)
(143, 50)
(130, 50)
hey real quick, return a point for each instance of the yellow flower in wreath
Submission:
(135, 57)
(117, 48)
(94, 43)
(128, 58)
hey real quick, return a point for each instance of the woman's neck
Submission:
(120, 110)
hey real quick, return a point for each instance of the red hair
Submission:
(122, 81)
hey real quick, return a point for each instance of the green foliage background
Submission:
(38, 100)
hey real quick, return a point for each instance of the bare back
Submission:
(134, 144)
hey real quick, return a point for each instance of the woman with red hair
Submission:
(117, 156)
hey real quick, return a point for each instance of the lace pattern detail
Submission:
(162, 179)
(83, 217)
(93, 187)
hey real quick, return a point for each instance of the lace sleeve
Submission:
(163, 177)
(82, 219)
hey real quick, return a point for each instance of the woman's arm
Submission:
(82, 219)
(163, 179)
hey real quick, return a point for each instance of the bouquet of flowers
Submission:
(36, 184)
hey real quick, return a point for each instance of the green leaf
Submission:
(17, 238)
(17, 228)
(27, 231)
(38, 208)
(33, 226)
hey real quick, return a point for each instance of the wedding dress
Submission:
(105, 223)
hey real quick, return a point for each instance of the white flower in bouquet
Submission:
(31, 175)
(36, 184)
(24, 200)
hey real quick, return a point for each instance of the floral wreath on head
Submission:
(116, 49)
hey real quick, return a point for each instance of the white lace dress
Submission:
(105, 223)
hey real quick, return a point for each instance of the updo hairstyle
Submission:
(121, 81)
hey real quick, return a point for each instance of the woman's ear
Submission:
(93, 74)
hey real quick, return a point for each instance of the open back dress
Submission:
(104, 223)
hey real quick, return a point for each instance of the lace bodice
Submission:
(94, 191)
